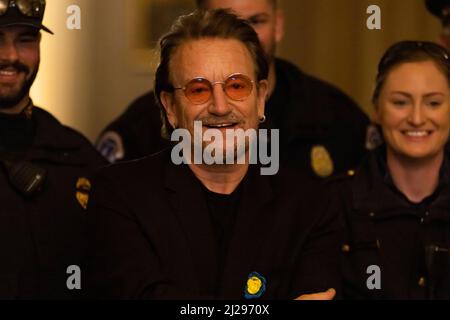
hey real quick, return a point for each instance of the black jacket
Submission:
(308, 112)
(384, 229)
(150, 236)
(41, 236)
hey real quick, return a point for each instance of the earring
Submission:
(374, 138)
(262, 119)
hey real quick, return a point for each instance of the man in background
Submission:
(43, 189)
(322, 131)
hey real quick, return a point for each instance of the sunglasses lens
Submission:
(31, 8)
(198, 91)
(238, 87)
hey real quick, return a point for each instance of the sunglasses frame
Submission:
(36, 11)
(212, 84)
(429, 47)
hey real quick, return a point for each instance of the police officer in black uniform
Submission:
(43, 167)
(441, 9)
(397, 204)
(322, 130)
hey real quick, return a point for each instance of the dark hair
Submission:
(201, 24)
(410, 51)
(202, 4)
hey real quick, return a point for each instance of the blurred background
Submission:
(89, 76)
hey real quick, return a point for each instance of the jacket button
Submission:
(372, 214)
(422, 282)
(345, 248)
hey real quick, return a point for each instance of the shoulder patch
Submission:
(110, 146)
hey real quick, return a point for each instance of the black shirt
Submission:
(222, 209)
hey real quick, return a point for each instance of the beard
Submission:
(11, 99)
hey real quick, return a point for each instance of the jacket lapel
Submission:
(188, 204)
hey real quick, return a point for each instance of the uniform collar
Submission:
(302, 116)
(380, 155)
(16, 132)
(373, 190)
(49, 134)
(56, 143)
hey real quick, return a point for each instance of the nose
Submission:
(417, 116)
(8, 51)
(219, 105)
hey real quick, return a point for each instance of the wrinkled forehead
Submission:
(210, 58)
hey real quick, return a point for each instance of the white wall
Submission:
(87, 76)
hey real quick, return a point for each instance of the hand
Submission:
(327, 295)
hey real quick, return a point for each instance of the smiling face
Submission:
(215, 60)
(267, 21)
(19, 63)
(414, 110)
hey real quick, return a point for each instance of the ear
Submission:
(443, 41)
(279, 25)
(376, 114)
(167, 100)
(262, 97)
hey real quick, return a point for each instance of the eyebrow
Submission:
(31, 33)
(410, 96)
(24, 34)
(24, 31)
(257, 15)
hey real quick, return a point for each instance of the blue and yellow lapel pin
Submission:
(255, 287)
